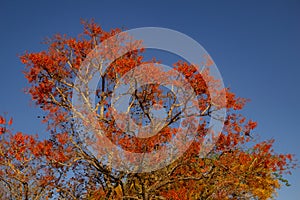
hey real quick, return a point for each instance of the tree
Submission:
(28, 167)
(76, 166)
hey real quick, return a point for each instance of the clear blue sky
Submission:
(255, 44)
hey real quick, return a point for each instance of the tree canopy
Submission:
(73, 164)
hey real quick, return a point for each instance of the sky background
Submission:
(255, 44)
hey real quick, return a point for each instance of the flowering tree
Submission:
(74, 164)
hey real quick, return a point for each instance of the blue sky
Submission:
(255, 44)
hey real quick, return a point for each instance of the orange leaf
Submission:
(2, 130)
(10, 121)
(2, 120)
